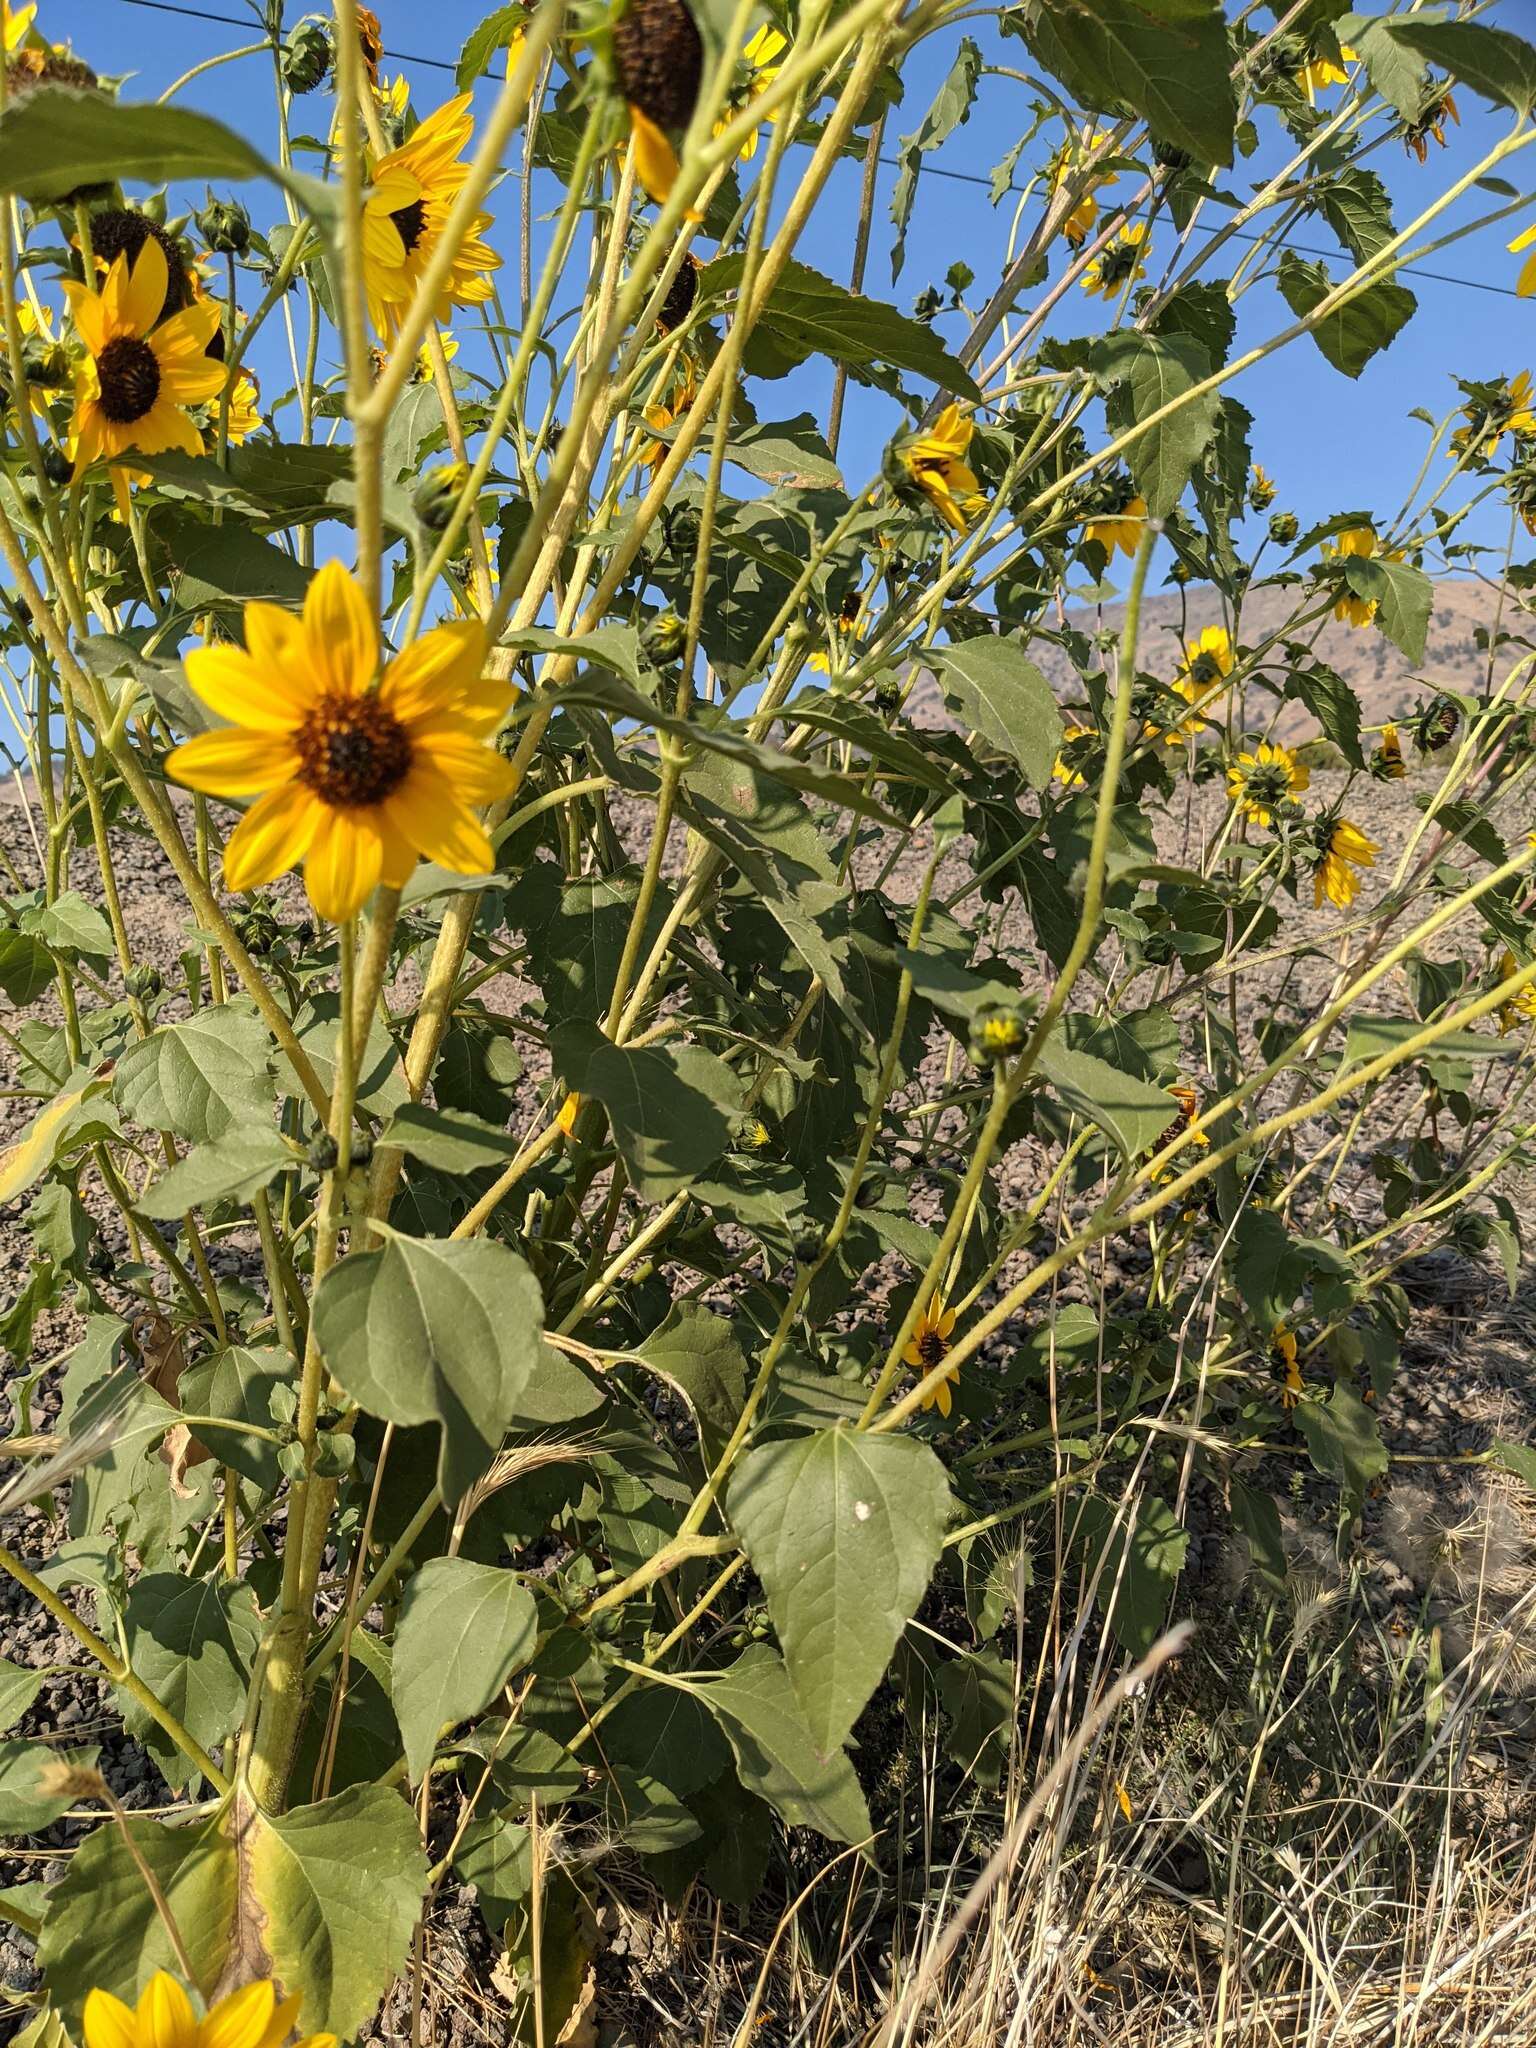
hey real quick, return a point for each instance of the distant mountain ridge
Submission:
(1380, 676)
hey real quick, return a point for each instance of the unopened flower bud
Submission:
(226, 226)
(438, 493)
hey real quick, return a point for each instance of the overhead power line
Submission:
(1470, 284)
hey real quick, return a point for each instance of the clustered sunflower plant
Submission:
(758, 1057)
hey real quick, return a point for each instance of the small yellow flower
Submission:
(252, 2017)
(569, 1110)
(1200, 680)
(1285, 1366)
(761, 57)
(412, 193)
(929, 1347)
(1261, 488)
(1062, 167)
(1119, 530)
(1258, 783)
(1389, 755)
(1062, 769)
(1521, 1008)
(1359, 541)
(1321, 72)
(1511, 414)
(355, 773)
(936, 463)
(1188, 1100)
(1119, 265)
(1525, 283)
(395, 98)
(244, 409)
(1344, 848)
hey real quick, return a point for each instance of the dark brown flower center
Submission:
(660, 56)
(411, 223)
(352, 751)
(118, 231)
(932, 1348)
(129, 379)
(1205, 669)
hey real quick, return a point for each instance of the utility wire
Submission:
(1471, 284)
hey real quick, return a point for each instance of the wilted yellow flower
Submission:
(356, 773)
(1343, 849)
(665, 412)
(252, 2017)
(929, 1347)
(1258, 783)
(1430, 125)
(1121, 264)
(936, 463)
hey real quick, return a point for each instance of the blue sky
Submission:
(1330, 443)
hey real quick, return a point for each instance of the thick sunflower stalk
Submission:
(614, 1211)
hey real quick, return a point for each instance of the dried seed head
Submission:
(660, 56)
(682, 292)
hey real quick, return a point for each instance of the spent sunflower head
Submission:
(1264, 780)
(252, 2017)
(405, 215)
(929, 1347)
(137, 378)
(658, 54)
(356, 773)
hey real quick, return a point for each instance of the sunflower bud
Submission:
(660, 57)
(323, 1152)
(308, 54)
(887, 697)
(438, 493)
(226, 226)
(1283, 528)
(807, 1248)
(751, 1135)
(143, 983)
(1170, 158)
(998, 1030)
(665, 637)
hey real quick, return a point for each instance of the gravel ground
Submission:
(1467, 1376)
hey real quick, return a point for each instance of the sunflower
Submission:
(1359, 541)
(1388, 763)
(761, 57)
(1342, 848)
(659, 56)
(1064, 769)
(1525, 283)
(354, 780)
(46, 363)
(1205, 668)
(936, 463)
(413, 192)
(136, 379)
(665, 412)
(1188, 1100)
(1260, 782)
(1119, 530)
(1062, 167)
(252, 2017)
(1521, 1008)
(1285, 1366)
(567, 1114)
(929, 1347)
(1318, 73)
(1118, 265)
(244, 408)
(1510, 413)
(1261, 488)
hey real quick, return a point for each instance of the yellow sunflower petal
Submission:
(435, 669)
(164, 426)
(274, 835)
(343, 639)
(238, 687)
(345, 862)
(274, 640)
(243, 2019)
(141, 292)
(85, 309)
(427, 810)
(471, 770)
(656, 164)
(165, 2015)
(232, 763)
(108, 2022)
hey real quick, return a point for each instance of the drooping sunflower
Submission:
(936, 463)
(136, 380)
(1063, 166)
(929, 1346)
(1188, 1100)
(1261, 781)
(1342, 849)
(1118, 265)
(1389, 764)
(370, 41)
(1119, 531)
(1064, 768)
(1285, 1366)
(659, 55)
(252, 2017)
(404, 216)
(1360, 541)
(761, 59)
(356, 773)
